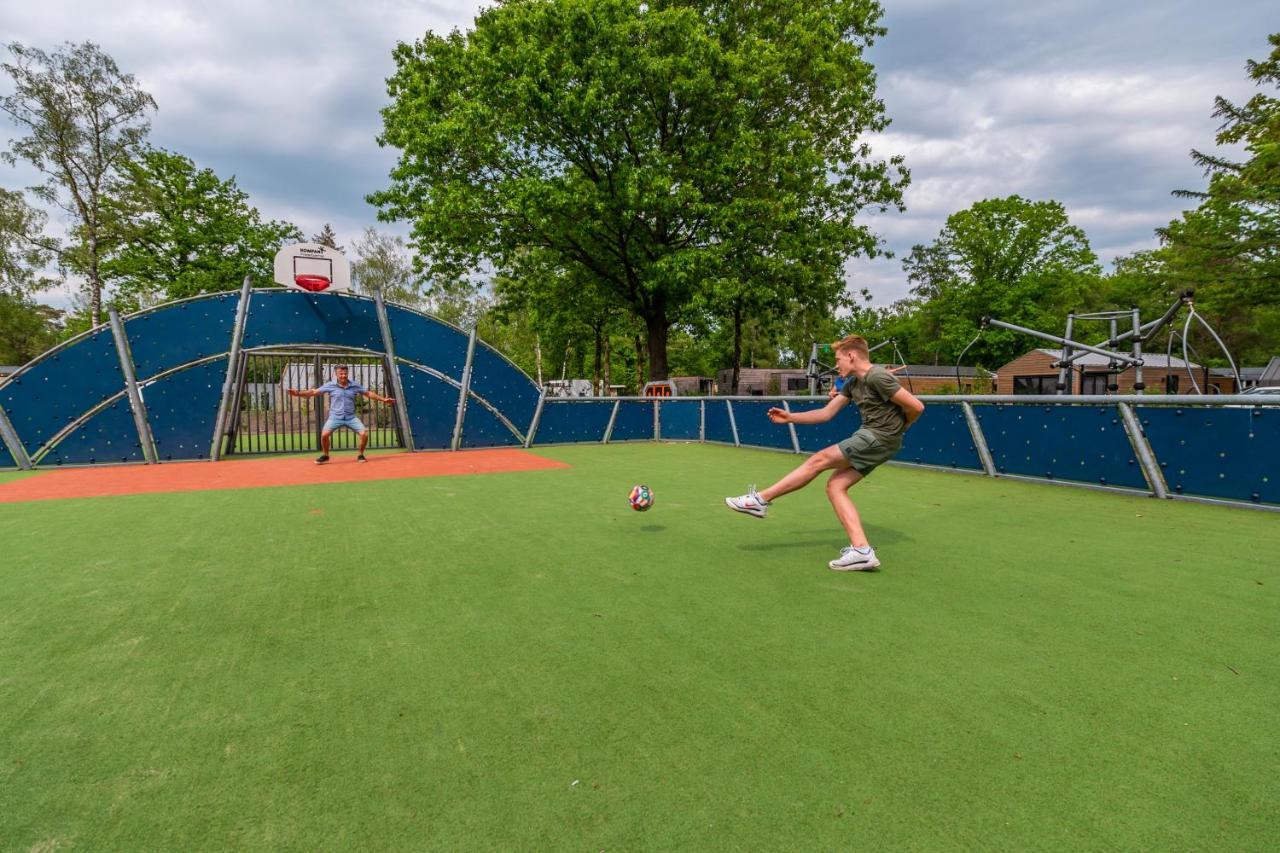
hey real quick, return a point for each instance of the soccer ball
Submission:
(640, 498)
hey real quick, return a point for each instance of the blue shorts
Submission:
(350, 422)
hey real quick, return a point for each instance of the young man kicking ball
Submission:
(342, 410)
(887, 410)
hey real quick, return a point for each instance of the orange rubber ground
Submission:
(255, 473)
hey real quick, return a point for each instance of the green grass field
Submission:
(519, 661)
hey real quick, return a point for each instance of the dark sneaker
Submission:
(361, 458)
(320, 460)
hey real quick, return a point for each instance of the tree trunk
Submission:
(608, 365)
(537, 356)
(737, 346)
(658, 327)
(95, 283)
(598, 357)
(641, 358)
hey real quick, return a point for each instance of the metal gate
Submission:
(270, 421)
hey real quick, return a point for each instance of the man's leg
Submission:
(838, 493)
(364, 440)
(824, 460)
(324, 441)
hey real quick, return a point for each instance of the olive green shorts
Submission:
(867, 451)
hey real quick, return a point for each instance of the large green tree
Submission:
(81, 120)
(180, 230)
(24, 250)
(657, 148)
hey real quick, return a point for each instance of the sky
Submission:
(1094, 103)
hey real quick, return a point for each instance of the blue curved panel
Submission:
(427, 341)
(483, 429)
(679, 421)
(634, 422)
(179, 334)
(6, 458)
(1231, 453)
(718, 427)
(292, 317)
(565, 421)
(109, 436)
(432, 406)
(182, 408)
(1087, 444)
(506, 388)
(941, 437)
(61, 387)
(755, 428)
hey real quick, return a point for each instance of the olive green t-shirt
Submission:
(871, 393)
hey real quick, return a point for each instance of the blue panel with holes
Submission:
(1231, 453)
(941, 437)
(755, 428)
(815, 437)
(504, 385)
(427, 341)
(6, 458)
(1086, 444)
(182, 407)
(565, 421)
(278, 317)
(110, 436)
(432, 406)
(634, 422)
(679, 421)
(717, 425)
(43, 399)
(482, 428)
(179, 334)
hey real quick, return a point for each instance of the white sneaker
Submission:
(853, 560)
(751, 503)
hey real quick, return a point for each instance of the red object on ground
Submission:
(313, 283)
(256, 473)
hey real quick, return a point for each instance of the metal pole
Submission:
(389, 347)
(657, 421)
(795, 439)
(16, 448)
(1138, 384)
(1065, 380)
(702, 420)
(317, 376)
(613, 417)
(1054, 339)
(979, 440)
(733, 423)
(233, 365)
(1147, 459)
(813, 369)
(131, 386)
(463, 391)
(537, 419)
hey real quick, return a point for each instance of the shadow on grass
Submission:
(877, 535)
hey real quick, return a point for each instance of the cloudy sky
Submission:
(1095, 103)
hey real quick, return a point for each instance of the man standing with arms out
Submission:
(342, 410)
(887, 410)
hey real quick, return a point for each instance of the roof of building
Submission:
(1271, 373)
(944, 371)
(1248, 374)
(1151, 359)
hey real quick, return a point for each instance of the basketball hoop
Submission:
(311, 283)
(312, 268)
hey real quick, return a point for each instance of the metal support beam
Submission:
(733, 424)
(702, 420)
(537, 419)
(657, 421)
(463, 391)
(1065, 378)
(1147, 459)
(11, 440)
(613, 418)
(139, 408)
(233, 365)
(795, 439)
(1057, 340)
(389, 347)
(979, 440)
(1138, 385)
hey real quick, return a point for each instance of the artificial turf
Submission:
(519, 661)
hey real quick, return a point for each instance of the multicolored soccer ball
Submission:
(640, 498)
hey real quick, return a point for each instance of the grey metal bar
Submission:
(1065, 379)
(463, 391)
(136, 403)
(613, 417)
(1150, 467)
(1138, 385)
(389, 346)
(657, 421)
(979, 440)
(233, 365)
(702, 420)
(795, 439)
(733, 423)
(537, 419)
(990, 321)
(11, 440)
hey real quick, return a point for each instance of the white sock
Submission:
(865, 549)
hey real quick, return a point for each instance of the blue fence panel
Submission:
(755, 428)
(941, 437)
(564, 421)
(182, 407)
(680, 421)
(1086, 444)
(814, 437)
(179, 334)
(718, 427)
(55, 391)
(634, 423)
(428, 342)
(504, 385)
(432, 407)
(6, 458)
(107, 437)
(482, 428)
(279, 317)
(1231, 453)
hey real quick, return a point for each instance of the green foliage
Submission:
(27, 328)
(383, 265)
(181, 231)
(23, 247)
(326, 237)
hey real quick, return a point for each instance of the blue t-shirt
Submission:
(342, 401)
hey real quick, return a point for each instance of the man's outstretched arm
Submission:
(373, 395)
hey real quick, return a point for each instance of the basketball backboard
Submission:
(313, 268)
